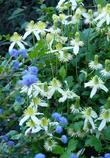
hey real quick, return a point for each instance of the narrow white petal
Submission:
(104, 88)
(62, 99)
(36, 33)
(11, 46)
(92, 123)
(76, 49)
(24, 119)
(102, 125)
(85, 124)
(27, 131)
(35, 119)
(20, 45)
(44, 104)
(26, 34)
(93, 92)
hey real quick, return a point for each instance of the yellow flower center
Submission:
(29, 111)
(16, 37)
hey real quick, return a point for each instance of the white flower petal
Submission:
(26, 34)
(93, 92)
(11, 46)
(20, 45)
(24, 119)
(102, 125)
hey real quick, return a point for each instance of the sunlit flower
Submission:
(17, 40)
(89, 115)
(67, 94)
(44, 123)
(36, 102)
(35, 28)
(33, 127)
(95, 65)
(106, 72)
(63, 56)
(30, 113)
(96, 83)
(104, 16)
(50, 144)
(54, 86)
(75, 108)
(88, 17)
(105, 117)
(76, 43)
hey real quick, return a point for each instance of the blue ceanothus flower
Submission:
(64, 139)
(40, 155)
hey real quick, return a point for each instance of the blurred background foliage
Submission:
(14, 14)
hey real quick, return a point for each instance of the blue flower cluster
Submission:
(59, 129)
(5, 138)
(15, 53)
(107, 155)
(73, 156)
(29, 76)
(40, 155)
(62, 120)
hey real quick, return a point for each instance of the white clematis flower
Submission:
(76, 43)
(66, 95)
(104, 16)
(105, 117)
(89, 115)
(33, 127)
(96, 83)
(30, 113)
(16, 39)
(36, 102)
(35, 28)
(106, 71)
(54, 86)
(95, 65)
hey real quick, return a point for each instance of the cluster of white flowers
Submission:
(65, 48)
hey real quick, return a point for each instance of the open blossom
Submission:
(54, 86)
(104, 16)
(50, 144)
(16, 40)
(106, 71)
(36, 102)
(76, 43)
(67, 94)
(30, 113)
(89, 115)
(33, 127)
(35, 28)
(95, 65)
(96, 83)
(105, 117)
(62, 2)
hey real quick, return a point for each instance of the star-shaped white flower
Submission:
(67, 94)
(104, 16)
(89, 115)
(16, 39)
(35, 28)
(105, 117)
(30, 113)
(96, 83)
(36, 102)
(76, 43)
(54, 86)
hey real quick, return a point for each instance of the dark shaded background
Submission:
(14, 13)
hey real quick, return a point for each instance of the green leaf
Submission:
(58, 150)
(94, 142)
(72, 145)
(62, 72)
